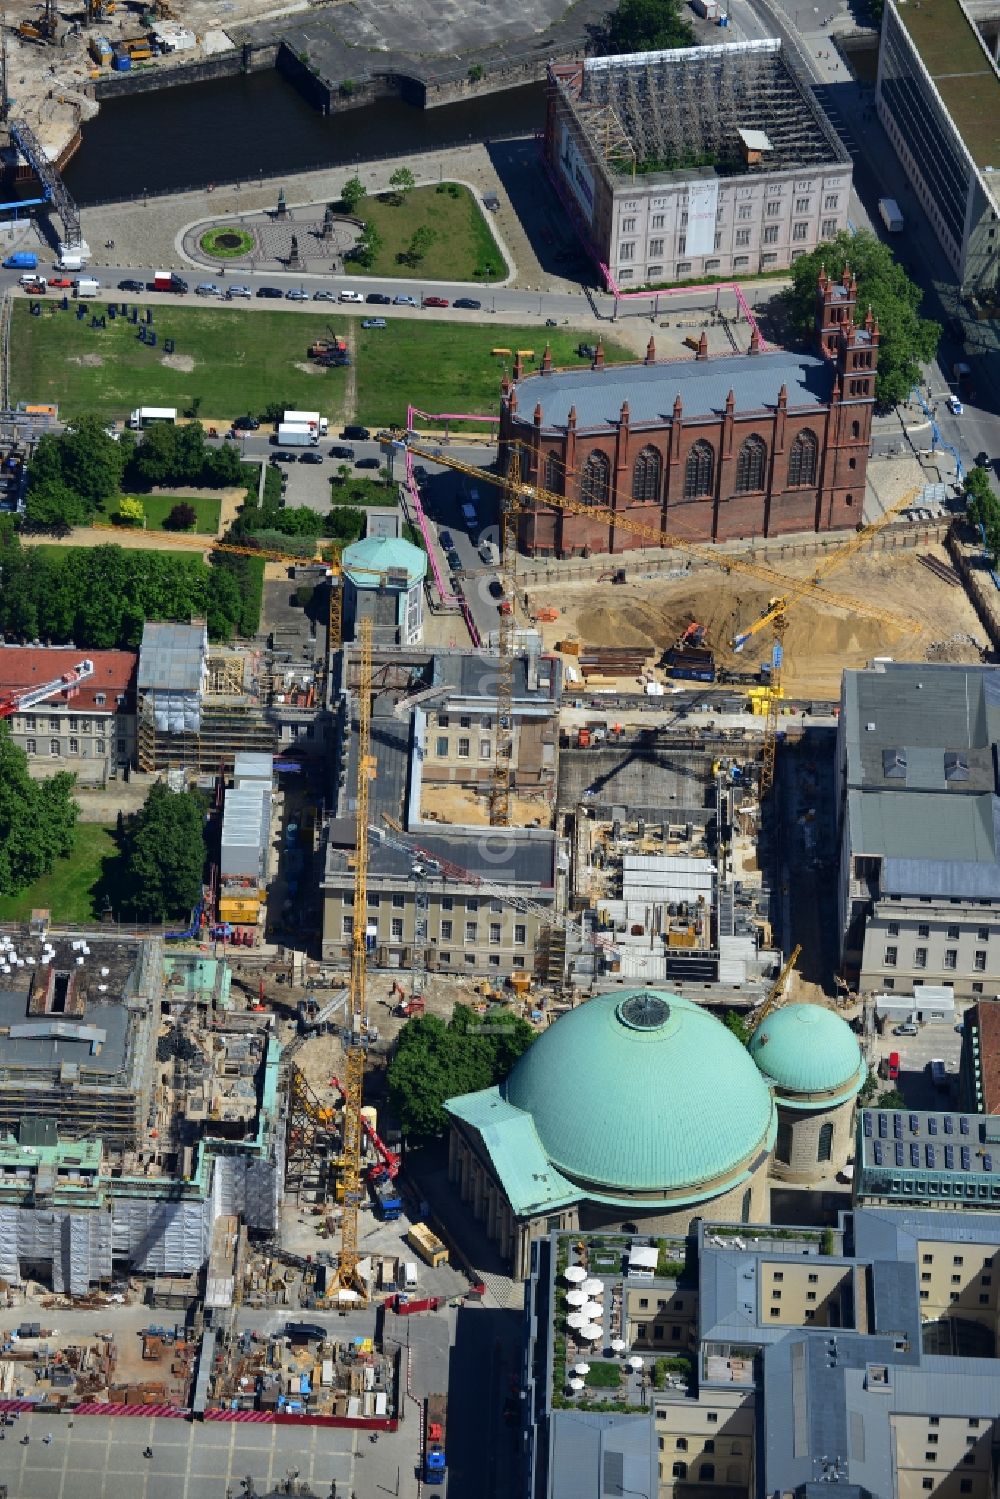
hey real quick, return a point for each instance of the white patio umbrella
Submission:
(593, 1287)
(575, 1274)
(576, 1297)
(576, 1319)
(594, 1311)
(593, 1332)
(581, 1368)
(618, 1345)
(576, 1384)
(635, 1362)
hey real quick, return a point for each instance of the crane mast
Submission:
(504, 755)
(354, 1065)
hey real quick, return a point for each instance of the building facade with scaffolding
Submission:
(695, 162)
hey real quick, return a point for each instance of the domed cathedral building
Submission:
(635, 1113)
(813, 1063)
(711, 448)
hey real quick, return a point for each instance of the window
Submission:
(831, 202)
(920, 957)
(54, 747)
(982, 932)
(472, 903)
(810, 1295)
(974, 1423)
(699, 471)
(628, 226)
(923, 930)
(442, 745)
(471, 931)
(745, 211)
(32, 746)
(464, 746)
(750, 465)
(801, 205)
(802, 462)
(485, 749)
(520, 933)
(977, 988)
(706, 1472)
(682, 1444)
(771, 234)
(932, 1437)
(444, 957)
(772, 210)
(447, 903)
(396, 929)
(646, 475)
(965, 1486)
(465, 722)
(952, 934)
(927, 1483)
(825, 1150)
(951, 957)
(654, 272)
(712, 1417)
(742, 238)
(709, 1446)
(741, 261)
(495, 931)
(374, 899)
(53, 724)
(658, 221)
(85, 725)
(828, 228)
(398, 902)
(800, 231)
(446, 930)
(684, 218)
(679, 1470)
(775, 1295)
(980, 960)
(347, 926)
(930, 1457)
(626, 251)
(31, 722)
(891, 953)
(958, 1259)
(683, 266)
(553, 473)
(656, 247)
(776, 1311)
(494, 960)
(596, 484)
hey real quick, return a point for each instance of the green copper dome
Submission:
(808, 1049)
(642, 1091)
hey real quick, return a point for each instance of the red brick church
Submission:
(708, 449)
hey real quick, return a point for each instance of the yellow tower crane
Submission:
(354, 1065)
(776, 993)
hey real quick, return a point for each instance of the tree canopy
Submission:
(72, 473)
(180, 455)
(164, 854)
(906, 340)
(646, 26)
(983, 508)
(37, 819)
(435, 1061)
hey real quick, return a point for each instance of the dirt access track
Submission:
(936, 622)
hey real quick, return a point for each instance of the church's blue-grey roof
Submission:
(650, 389)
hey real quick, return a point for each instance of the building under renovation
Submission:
(694, 162)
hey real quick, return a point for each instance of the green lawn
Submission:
(358, 491)
(69, 891)
(463, 248)
(245, 358)
(449, 366)
(159, 506)
(242, 360)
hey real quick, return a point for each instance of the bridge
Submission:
(53, 187)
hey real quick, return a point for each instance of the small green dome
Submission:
(808, 1049)
(365, 561)
(642, 1091)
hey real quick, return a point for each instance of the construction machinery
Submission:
(24, 698)
(776, 993)
(43, 28)
(388, 1160)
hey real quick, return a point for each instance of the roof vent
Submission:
(894, 764)
(956, 765)
(644, 1011)
(870, 727)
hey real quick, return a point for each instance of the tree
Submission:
(906, 340)
(735, 1022)
(181, 518)
(367, 249)
(164, 853)
(344, 523)
(420, 242)
(402, 182)
(435, 1061)
(344, 472)
(75, 472)
(53, 506)
(37, 819)
(646, 26)
(131, 510)
(352, 194)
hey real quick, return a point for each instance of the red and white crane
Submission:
(24, 698)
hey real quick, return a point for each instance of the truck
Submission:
(428, 1245)
(890, 214)
(295, 435)
(691, 664)
(152, 416)
(435, 1466)
(169, 281)
(73, 257)
(308, 419)
(21, 260)
(86, 286)
(387, 1199)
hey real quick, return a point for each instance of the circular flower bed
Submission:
(228, 243)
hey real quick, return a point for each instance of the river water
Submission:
(245, 127)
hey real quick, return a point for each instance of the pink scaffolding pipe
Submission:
(684, 291)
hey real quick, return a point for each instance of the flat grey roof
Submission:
(650, 389)
(172, 657)
(110, 1017)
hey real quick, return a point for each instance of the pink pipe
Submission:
(683, 291)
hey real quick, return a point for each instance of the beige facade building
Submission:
(89, 727)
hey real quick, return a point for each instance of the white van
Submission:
(409, 1276)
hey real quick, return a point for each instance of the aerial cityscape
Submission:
(499, 749)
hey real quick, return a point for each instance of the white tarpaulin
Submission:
(703, 204)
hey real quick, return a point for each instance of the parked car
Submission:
(982, 458)
(351, 296)
(311, 456)
(447, 541)
(469, 303)
(340, 451)
(906, 1029)
(284, 457)
(270, 291)
(356, 434)
(233, 292)
(487, 552)
(378, 299)
(955, 406)
(435, 302)
(35, 288)
(296, 294)
(892, 1067)
(454, 561)
(246, 424)
(324, 296)
(404, 300)
(374, 322)
(129, 284)
(496, 588)
(207, 289)
(368, 463)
